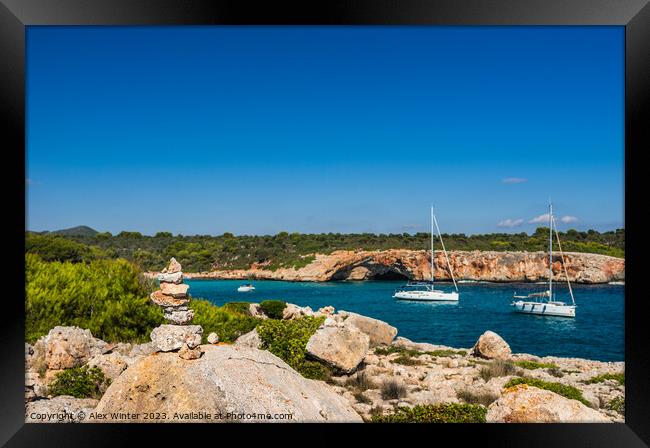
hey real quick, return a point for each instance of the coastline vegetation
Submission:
(534, 365)
(80, 382)
(205, 252)
(438, 413)
(618, 377)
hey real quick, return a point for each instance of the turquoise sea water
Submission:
(597, 332)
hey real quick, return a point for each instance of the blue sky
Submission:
(256, 130)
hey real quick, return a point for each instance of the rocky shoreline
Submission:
(375, 373)
(490, 266)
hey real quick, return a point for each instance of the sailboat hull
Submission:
(427, 296)
(544, 308)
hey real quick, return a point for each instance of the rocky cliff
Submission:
(467, 265)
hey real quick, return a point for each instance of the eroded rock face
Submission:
(413, 264)
(342, 347)
(61, 409)
(491, 346)
(67, 347)
(226, 379)
(527, 404)
(379, 332)
(167, 338)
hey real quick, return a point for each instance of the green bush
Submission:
(273, 308)
(619, 377)
(238, 307)
(438, 413)
(227, 321)
(108, 297)
(59, 248)
(288, 339)
(80, 382)
(533, 365)
(616, 404)
(566, 391)
(447, 353)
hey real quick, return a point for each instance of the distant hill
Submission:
(76, 231)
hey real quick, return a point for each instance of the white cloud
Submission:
(510, 223)
(514, 180)
(568, 219)
(539, 219)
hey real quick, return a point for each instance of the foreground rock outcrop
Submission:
(229, 383)
(490, 266)
(527, 404)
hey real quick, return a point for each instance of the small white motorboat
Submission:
(246, 288)
(544, 303)
(425, 291)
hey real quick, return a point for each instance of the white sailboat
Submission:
(426, 291)
(246, 288)
(544, 303)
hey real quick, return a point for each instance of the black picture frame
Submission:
(634, 15)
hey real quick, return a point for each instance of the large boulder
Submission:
(292, 311)
(228, 383)
(67, 347)
(61, 409)
(342, 347)
(491, 346)
(527, 404)
(250, 339)
(167, 338)
(379, 332)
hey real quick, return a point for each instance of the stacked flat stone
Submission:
(173, 299)
(172, 295)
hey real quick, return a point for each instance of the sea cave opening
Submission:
(389, 275)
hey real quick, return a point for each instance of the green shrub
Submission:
(59, 248)
(447, 353)
(80, 382)
(273, 308)
(288, 339)
(556, 372)
(108, 297)
(484, 398)
(566, 391)
(438, 413)
(497, 368)
(392, 390)
(316, 370)
(619, 377)
(616, 404)
(238, 307)
(533, 365)
(389, 350)
(227, 321)
(407, 360)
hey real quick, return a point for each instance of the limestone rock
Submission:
(61, 409)
(190, 353)
(67, 347)
(173, 267)
(527, 404)
(166, 300)
(379, 332)
(342, 347)
(173, 289)
(112, 364)
(142, 349)
(179, 317)
(213, 338)
(292, 311)
(250, 339)
(256, 311)
(167, 338)
(176, 277)
(226, 379)
(491, 346)
(325, 311)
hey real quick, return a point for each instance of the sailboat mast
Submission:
(550, 250)
(432, 244)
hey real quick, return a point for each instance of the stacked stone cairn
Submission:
(173, 299)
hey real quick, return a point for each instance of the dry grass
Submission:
(393, 390)
(360, 382)
(471, 397)
(496, 369)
